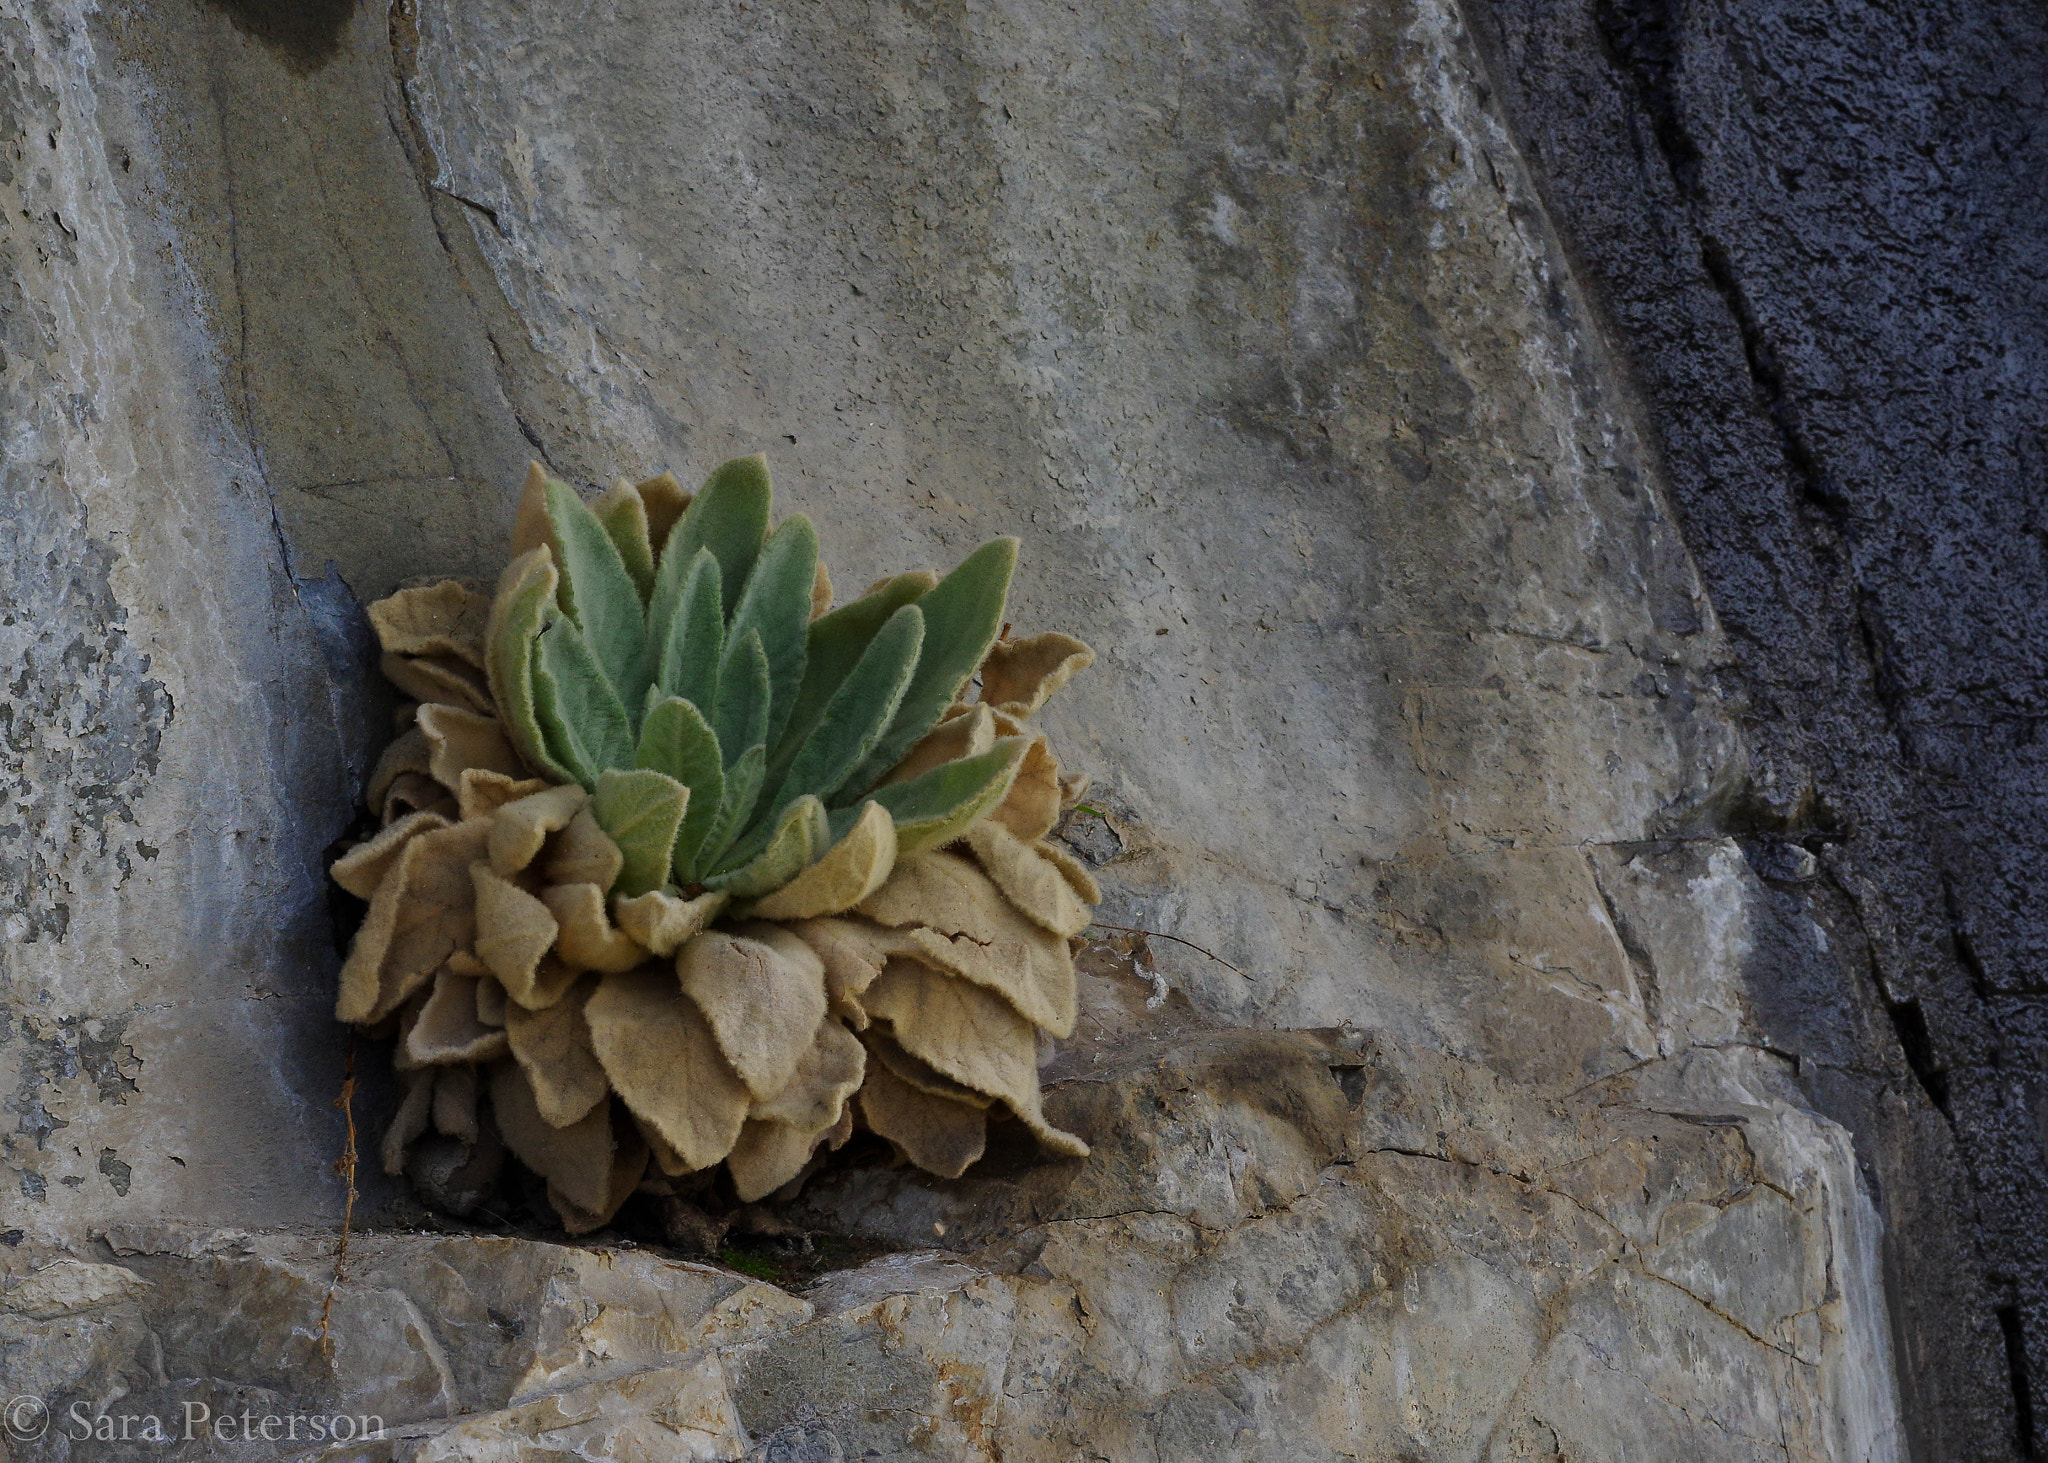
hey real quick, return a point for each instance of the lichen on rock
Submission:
(663, 831)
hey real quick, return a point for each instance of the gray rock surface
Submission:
(1288, 1246)
(1816, 232)
(1474, 1137)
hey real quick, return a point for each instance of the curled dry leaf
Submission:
(408, 752)
(576, 1160)
(363, 867)
(1031, 882)
(665, 922)
(455, 1113)
(940, 1137)
(515, 932)
(552, 1047)
(520, 829)
(1020, 675)
(969, 1035)
(422, 911)
(953, 917)
(629, 1161)
(459, 740)
(582, 853)
(588, 940)
(662, 1059)
(448, 1030)
(853, 953)
(409, 1123)
(763, 991)
(445, 680)
(481, 792)
(447, 618)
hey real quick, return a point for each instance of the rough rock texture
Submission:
(1474, 1137)
(1289, 1246)
(1815, 231)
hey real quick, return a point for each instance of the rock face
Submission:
(1287, 1246)
(1816, 232)
(1465, 1123)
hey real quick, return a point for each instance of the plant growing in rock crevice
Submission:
(681, 867)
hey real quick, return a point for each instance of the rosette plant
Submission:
(681, 867)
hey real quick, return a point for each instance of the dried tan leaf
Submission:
(409, 1123)
(588, 940)
(1031, 809)
(479, 794)
(1019, 675)
(437, 619)
(414, 792)
(940, 1137)
(659, 1150)
(969, 1035)
(514, 933)
(966, 731)
(455, 1091)
(666, 501)
(850, 871)
(458, 740)
(448, 1031)
(629, 1162)
(663, 922)
(763, 991)
(490, 997)
(952, 916)
(363, 867)
(553, 1047)
(1032, 882)
(821, 591)
(825, 1077)
(576, 1160)
(658, 1051)
(1072, 870)
(853, 952)
(409, 751)
(444, 680)
(582, 853)
(423, 910)
(520, 829)
(920, 1074)
(768, 1155)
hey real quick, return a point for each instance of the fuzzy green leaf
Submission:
(600, 595)
(690, 626)
(793, 841)
(741, 715)
(943, 803)
(742, 791)
(836, 641)
(730, 518)
(859, 712)
(676, 739)
(961, 618)
(777, 604)
(525, 600)
(642, 810)
(580, 712)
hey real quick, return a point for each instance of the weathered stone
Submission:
(1355, 1249)
(1455, 1128)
